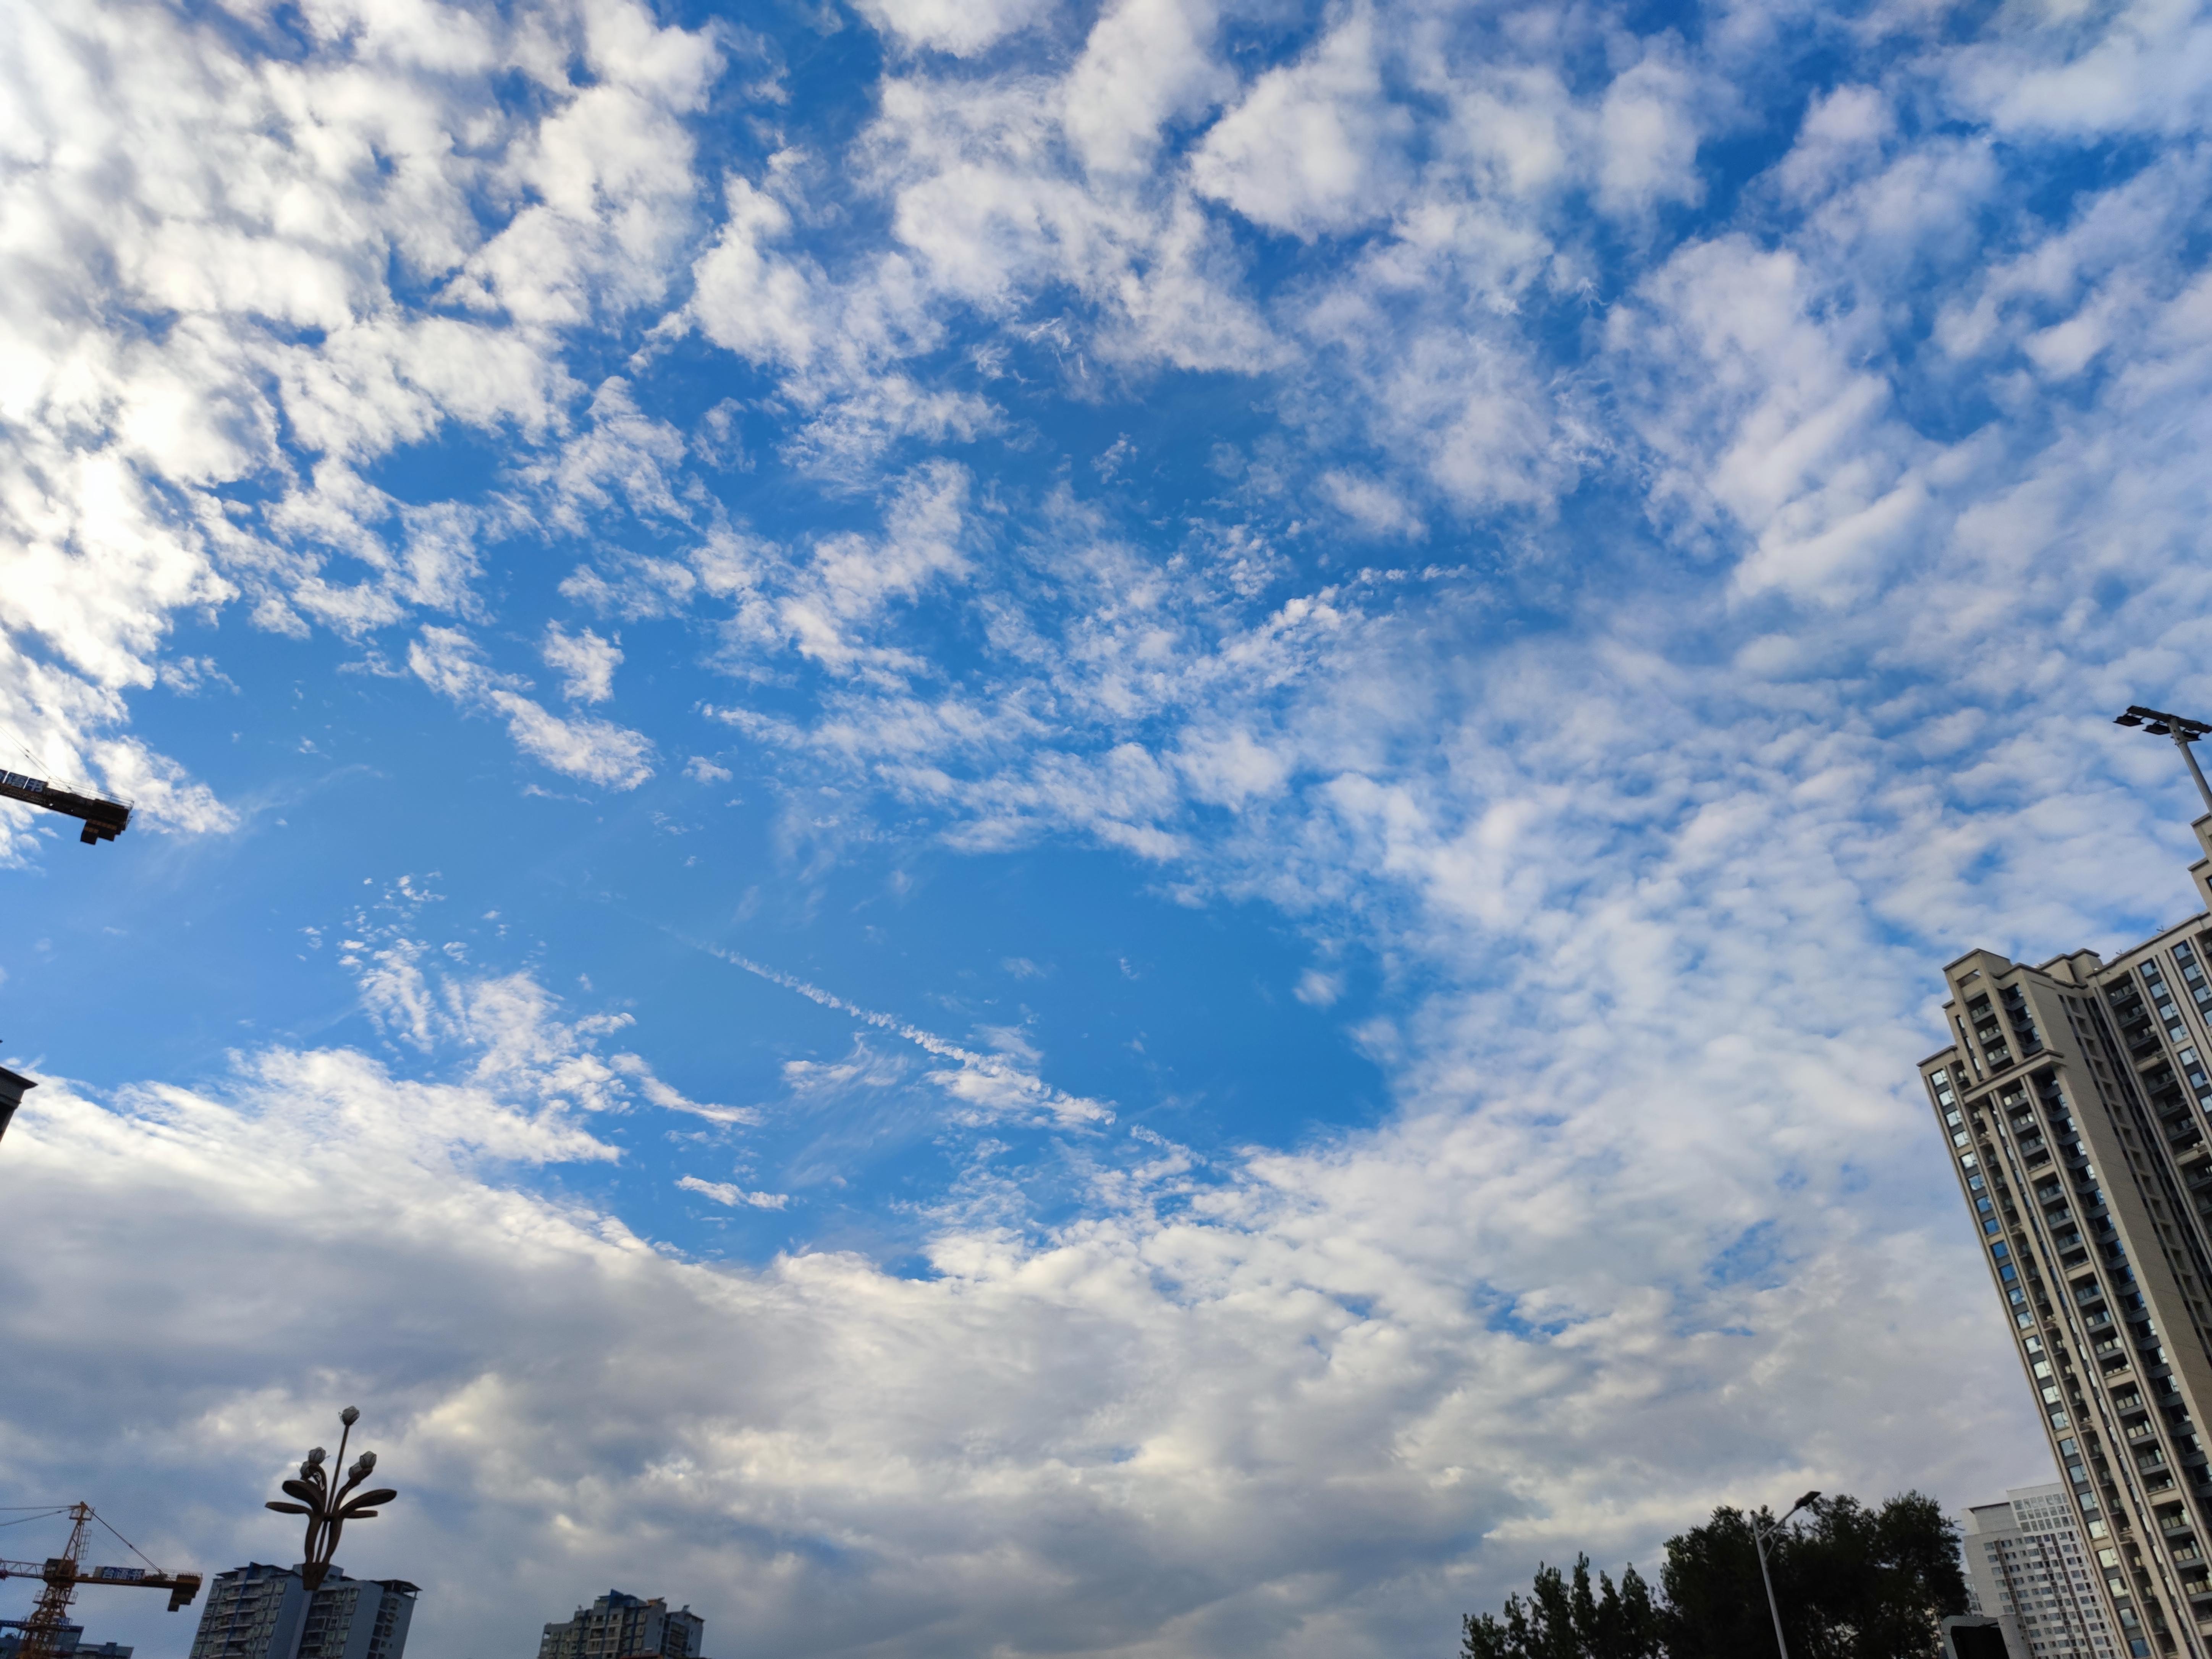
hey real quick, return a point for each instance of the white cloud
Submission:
(267, 211)
(597, 750)
(1135, 1409)
(2140, 70)
(962, 27)
(450, 663)
(1312, 148)
(586, 663)
(1370, 503)
(1648, 129)
(1144, 62)
(1838, 130)
(735, 1197)
(751, 300)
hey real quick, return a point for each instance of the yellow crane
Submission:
(62, 1574)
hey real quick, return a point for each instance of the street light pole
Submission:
(1758, 1536)
(2182, 730)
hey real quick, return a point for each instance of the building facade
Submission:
(2074, 1097)
(264, 1612)
(2029, 1567)
(623, 1626)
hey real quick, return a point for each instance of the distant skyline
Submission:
(972, 826)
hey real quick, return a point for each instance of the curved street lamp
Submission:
(2183, 732)
(1758, 1536)
(327, 1511)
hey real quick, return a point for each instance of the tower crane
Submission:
(104, 820)
(63, 1573)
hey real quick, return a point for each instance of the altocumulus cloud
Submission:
(1227, 1406)
(1642, 614)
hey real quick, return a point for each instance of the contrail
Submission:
(990, 1081)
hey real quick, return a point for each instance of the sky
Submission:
(986, 826)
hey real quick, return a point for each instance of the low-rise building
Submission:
(69, 1642)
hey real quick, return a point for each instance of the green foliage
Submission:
(1563, 1620)
(1853, 1584)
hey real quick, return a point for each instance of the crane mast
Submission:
(61, 1575)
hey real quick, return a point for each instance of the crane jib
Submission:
(64, 1574)
(104, 820)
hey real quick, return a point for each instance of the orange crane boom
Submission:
(60, 1570)
(61, 1575)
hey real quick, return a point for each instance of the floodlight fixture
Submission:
(2183, 732)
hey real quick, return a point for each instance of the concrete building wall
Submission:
(2029, 1566)
(264, 1612)
(2074, 1098)
(250, 1612)
(619, 1625)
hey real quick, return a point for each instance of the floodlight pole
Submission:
(2195, 771)
(1758, 1536)
(2185, 732)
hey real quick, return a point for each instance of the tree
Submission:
(1853, 1584)
(1564, 1620)
(1716, 1605)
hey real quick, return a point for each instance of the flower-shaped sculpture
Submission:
(327, 1511)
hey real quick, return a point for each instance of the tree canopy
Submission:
(1853, 1583)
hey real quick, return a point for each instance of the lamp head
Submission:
(2127, 719)
(1809, 1497)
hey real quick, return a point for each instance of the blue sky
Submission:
(1112, 828)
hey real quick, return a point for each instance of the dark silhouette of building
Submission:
(622, 1626)
(71, 1643)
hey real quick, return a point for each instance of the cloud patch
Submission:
(582, 746)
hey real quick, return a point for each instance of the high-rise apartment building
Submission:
(263, 1612)
(2074, 1097)
(2029, 1566)
(621, 1626)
